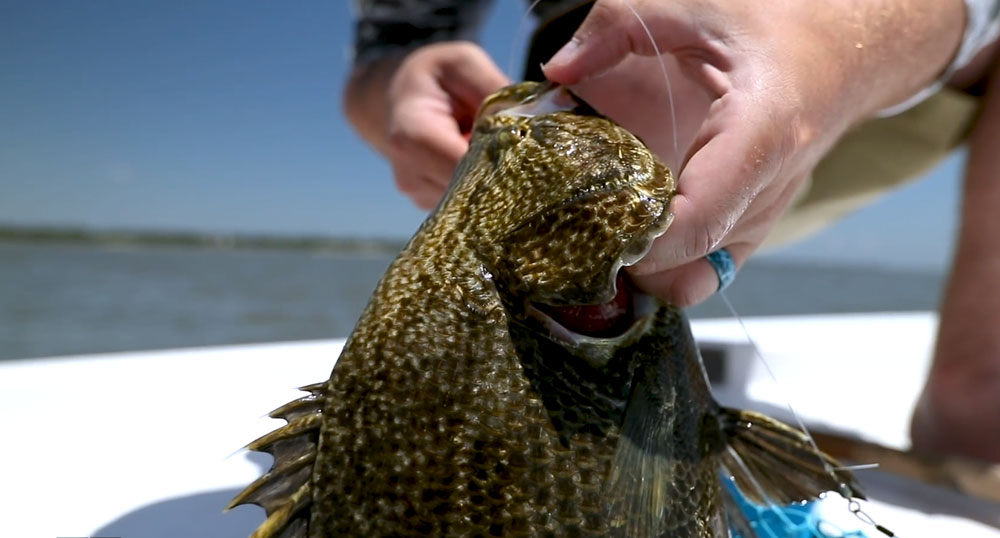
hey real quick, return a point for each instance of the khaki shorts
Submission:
(876, 157)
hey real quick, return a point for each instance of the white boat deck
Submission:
(148, 444)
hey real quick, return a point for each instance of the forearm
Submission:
(389, 27)
(970, 313)
(386, 31)
(365, 100)
(961, 402)
(895, 48)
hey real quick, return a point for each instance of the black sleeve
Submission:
(385, 26)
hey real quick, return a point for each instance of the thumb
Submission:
(600, 43)
(612, 30)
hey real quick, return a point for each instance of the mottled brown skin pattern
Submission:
(453, 412)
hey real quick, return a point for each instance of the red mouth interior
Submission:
(600, 320)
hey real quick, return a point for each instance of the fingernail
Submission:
(566, 53)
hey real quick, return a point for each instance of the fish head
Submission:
(563, 198)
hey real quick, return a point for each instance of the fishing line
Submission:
(754, 482)
(782, 517)
(770, 372)
(666, 77)
(725, 298)
(853, 505)
(858, 467)
(518, 34)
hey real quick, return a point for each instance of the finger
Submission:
(601, 42)
(417, 180)
(420, 189)
(428, 140)
(768, 208)
(427, 199)
(692, 282)
(614, 28)
(731, 160)
(666, 131)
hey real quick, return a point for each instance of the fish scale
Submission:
(458, 407)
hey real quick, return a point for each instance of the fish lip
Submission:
(599, 349)
(645, 306)
(550, 98)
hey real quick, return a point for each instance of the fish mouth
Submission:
(597, 329)
(544, 98)
(550, 98)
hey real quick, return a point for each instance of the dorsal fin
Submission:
(285, 491)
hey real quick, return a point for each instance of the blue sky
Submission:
(225, 116)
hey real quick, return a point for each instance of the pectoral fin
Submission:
(773, 463)
(660, 485)
(641, 474)
(285, 490)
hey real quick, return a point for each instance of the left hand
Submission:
(412, 107)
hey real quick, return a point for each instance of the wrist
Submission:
(849, 60)
(871, 55)
(921, 48)
(981, 29)
(365, 100)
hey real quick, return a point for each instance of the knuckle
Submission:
(606, 17)
(606, 13)
(703, 239)
(399, 137)
(469, 48)
(406, 184)
(684, 298)
(686, 292)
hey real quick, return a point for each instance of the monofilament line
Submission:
(784, 395)
(518, 34)
(858, 467)
(666, 79)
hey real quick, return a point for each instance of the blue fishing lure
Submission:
(791, 521)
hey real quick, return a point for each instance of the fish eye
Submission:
(512, 135)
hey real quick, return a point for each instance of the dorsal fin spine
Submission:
(285, 491)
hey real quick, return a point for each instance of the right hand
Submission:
(417, 109)
(764, 90)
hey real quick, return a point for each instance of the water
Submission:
(70, 299)
(73, 299)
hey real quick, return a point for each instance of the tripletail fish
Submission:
(507, 378)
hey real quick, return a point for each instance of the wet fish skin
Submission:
(458, 407)
(477, 448)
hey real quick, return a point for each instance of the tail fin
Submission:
(285, 491)
(772, 463)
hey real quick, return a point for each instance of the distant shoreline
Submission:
(365, 246)
(219, 241)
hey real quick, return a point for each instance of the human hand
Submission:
(417, 108)
(762, 91)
